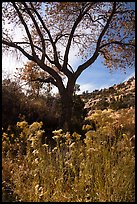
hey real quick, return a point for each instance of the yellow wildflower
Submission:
(35, 126)
(125, 136)
(4, 135)
(12, 135)
(72, 145)
(67, 136)
(22, 124)
(57, 131)
(76, 135)
(86, 127)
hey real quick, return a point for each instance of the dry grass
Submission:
(100, 168)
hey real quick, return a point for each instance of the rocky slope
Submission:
(115, 97)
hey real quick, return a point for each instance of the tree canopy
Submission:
(52, 30)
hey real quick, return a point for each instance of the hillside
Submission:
(115, 97)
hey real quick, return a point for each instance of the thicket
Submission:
(100, 167)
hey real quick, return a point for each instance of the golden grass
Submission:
(96, 169)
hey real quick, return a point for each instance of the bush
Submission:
(12, 102)
(16, 105)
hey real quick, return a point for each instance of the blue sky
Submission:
(97, 76)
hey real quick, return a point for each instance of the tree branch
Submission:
(35, 46)
(96, 20)
(26, 28)
(46, 68)
(58, 37)
(125, 11)
(38, 30)
(106, 26)
(53, 73)
(12, 44)
(116, 42)
(82, 67)
(79, 18)
(50, 37)
(48, 80)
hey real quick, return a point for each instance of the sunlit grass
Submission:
(96, 169)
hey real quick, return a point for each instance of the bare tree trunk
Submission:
(66, 115)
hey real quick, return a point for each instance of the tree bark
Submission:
(66, 114)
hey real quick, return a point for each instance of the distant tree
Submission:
(76, 88)
(34, 78)
(52, 30)
(85, 92)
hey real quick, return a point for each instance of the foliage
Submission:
(74, 170)
(109, 25)
(16, 105)
(93, 29)
(12, 102)
(34, 77)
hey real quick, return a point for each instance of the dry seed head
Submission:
(45, 145)
(36, 161)
(72, 145)
(57, 131)
(22, 124)
(76, 135)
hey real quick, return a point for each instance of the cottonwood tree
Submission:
(51, 31)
